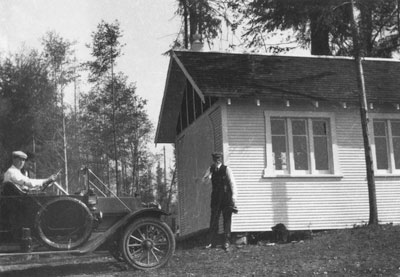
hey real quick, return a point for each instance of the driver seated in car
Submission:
(22, 182)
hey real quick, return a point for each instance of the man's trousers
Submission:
(216, 211)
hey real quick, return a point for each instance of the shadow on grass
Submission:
(67, 269)
(200, 239)
(194, 241)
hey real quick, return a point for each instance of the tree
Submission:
(205, 18)
(373, 210)
(161, 186)
(58, 53)
(28, 110)
(105, 49)
(310, 19)
(326, 25)
(132, 125)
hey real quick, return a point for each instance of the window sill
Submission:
(303, 177)
(387, 175)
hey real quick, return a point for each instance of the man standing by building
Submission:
(223, 199)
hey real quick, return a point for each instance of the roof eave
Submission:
(177, 74)
(156, 139)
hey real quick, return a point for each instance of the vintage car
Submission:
(44, 223)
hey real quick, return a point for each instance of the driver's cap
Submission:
(19, 154)
(217, 156)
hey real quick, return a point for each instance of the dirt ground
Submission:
(363, 251)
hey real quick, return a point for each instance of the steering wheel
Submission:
(46, 186)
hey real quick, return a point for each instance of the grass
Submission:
(362, 251)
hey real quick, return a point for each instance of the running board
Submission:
(89, 246)
(76, 251)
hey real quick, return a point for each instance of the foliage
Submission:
(277, 26)
(105, 48)
(133, 128)
(306, 18)
(29, 113)
(32, 111)
(58, 53)
(325, 24)
(203, 17)
(62, 71)
(162, 195)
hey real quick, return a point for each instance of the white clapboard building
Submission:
(290, 130)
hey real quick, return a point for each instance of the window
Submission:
(300, 144)
(386, 145)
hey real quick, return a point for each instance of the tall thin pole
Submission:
(64, 141)
(165, 170)
(114, 129)
(373, 210)
(171, 191)
(398, 17)
(34, 153)
(185, 16)
(75, 97)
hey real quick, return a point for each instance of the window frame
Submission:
(387, 118)
(270, 172)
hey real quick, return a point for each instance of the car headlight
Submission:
(92, 200)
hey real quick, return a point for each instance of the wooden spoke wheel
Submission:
(147, 243)
(64, 223)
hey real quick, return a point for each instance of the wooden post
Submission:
(170, 192)
(373, 210)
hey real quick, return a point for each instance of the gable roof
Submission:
(265, 76)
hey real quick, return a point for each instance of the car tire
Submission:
(64, 223)
(147, 243)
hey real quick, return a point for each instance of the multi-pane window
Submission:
(299, 145)
(321, 139)
(387, 145)
(279, 144)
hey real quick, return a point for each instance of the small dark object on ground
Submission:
(281, 233)
(226, 246)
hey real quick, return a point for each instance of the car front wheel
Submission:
(147, 243)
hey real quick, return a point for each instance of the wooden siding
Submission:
(302, 203)
(312, 203)
(215, 118)
(194, 148)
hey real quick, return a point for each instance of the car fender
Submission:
(144, 212)
(120, 225)
(149, 211)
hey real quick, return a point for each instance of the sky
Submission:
(148, 26)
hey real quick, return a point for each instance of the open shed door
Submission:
(194, 150)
